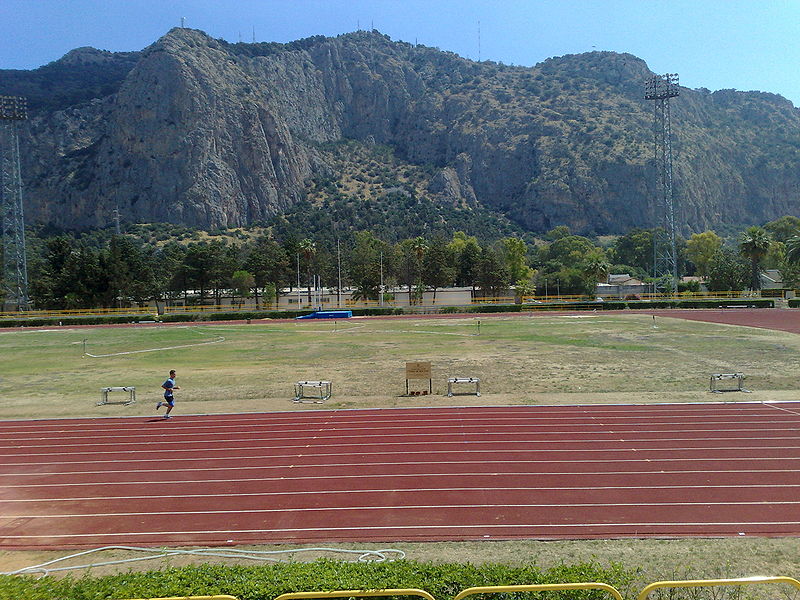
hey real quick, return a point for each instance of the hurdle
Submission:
(456, 380)
(131, 390)
(320, 391)
(736, 378)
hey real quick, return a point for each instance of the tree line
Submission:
(66, 272)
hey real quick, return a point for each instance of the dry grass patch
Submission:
(539, 359)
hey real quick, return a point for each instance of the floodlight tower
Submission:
(15, 269)
(660, 88)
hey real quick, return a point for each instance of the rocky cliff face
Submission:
(202, 132)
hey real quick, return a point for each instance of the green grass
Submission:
(520, 359)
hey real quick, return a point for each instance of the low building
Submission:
(621, 286)
(330, 298)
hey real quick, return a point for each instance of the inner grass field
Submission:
(540, 359)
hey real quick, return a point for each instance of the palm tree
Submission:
(308, 249)
(754, 244)
(793, 249)
(419, 247)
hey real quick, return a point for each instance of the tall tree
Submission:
(754, 244)
(493, 275)
(700, 248)
(783, 228)
(438, 268)
(269, 263)
(467, 251)
(727, 270)
(515, 252)
(308, 249)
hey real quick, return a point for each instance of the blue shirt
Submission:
(168, 385)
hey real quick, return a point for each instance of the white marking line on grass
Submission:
(199, 456)
(438, 476)
(391, 507)
(544, 527)
(219, 340)
(648, 461)
(283, 493)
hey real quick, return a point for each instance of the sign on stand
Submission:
(419, 370)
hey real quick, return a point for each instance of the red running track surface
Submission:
(552, 472)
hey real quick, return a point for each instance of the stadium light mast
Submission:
(659, 89)
(15, 268)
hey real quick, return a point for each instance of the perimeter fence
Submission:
(658, 589)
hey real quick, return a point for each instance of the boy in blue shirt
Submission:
(169, 400)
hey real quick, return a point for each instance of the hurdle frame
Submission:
(104, 391)
(715, 377)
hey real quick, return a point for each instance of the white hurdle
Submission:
(736, 378)
(320, 391)
(452, 380)
(106, 390)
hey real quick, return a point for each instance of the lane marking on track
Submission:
(792, 412)
(581, 436)
(481, 414)
(395, 508)
(393, 475)
(225, 445)
(738, 525)
(410, 463)
(594, 488)
(344, 418)
(200, 456)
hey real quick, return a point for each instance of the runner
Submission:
(169, 400)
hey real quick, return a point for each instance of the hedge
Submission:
(478, 308)
(443, 581)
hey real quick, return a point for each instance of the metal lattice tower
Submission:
(660, 88)
(15, 268)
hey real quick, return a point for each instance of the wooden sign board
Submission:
(418, 370)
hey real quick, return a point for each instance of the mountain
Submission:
(201, 132)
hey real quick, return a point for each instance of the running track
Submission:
(723, 469)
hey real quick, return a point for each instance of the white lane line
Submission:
(395, 507)
(781, 408)
(738, 525)
(416, 423)
(578, 436)
(506, 448)
(392, 475)
(200, 456)
(551, 412)
(283, 493)
(359, 465)
(447, 420)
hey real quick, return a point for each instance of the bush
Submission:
(443, 581)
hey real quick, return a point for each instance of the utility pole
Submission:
(660, 88)
(15, 267)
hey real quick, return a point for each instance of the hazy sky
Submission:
(741, 44)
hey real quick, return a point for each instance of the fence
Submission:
(543, 301)
(694, 584)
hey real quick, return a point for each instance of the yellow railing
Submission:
(543, 587)
(696, 583)
(250, 307)
(357, 594)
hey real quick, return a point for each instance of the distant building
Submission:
(622, 285)
(771, 279)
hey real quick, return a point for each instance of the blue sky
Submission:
(740, 44)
